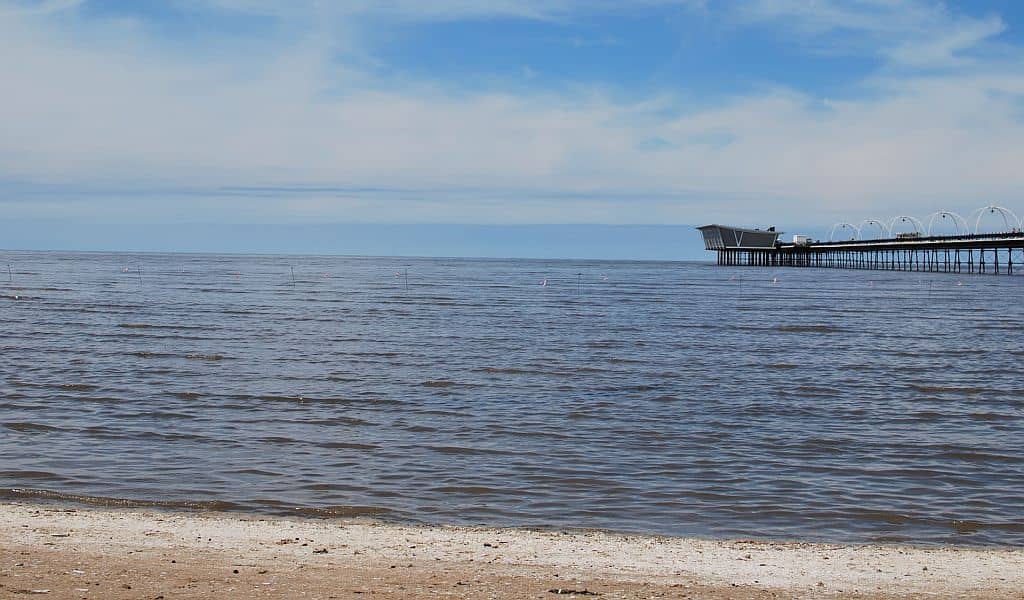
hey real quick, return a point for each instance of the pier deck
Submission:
(990, 253)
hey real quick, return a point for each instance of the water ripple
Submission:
(656, 397)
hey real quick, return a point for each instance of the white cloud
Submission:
(824, 16)
(911, 33)
(942, 48)
(37, 7)
(437, 10)
(105, 108)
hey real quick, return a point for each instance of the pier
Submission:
(915, 250)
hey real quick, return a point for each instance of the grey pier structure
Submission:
(919, 249)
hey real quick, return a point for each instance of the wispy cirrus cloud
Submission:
(911, 33)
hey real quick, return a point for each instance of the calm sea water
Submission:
(670, 398)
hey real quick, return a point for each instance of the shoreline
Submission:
(38, 497)
(64, 551)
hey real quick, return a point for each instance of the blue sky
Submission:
(192, 114)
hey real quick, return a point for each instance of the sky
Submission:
(453, 119)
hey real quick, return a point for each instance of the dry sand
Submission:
(50, 551)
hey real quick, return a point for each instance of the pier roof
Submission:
(721, 237)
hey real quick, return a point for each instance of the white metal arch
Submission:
(1013, 222)
(918, 225)
(851, 226)
(956, 219)
(882, 227)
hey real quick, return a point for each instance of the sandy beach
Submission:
(58, 551)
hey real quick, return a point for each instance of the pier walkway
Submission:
(989, 253)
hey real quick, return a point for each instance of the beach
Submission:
(63, 551)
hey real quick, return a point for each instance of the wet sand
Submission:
(57, 551)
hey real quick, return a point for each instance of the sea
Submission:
(668, 398)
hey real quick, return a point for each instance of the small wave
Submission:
(328, 512)
(819, 443)
(40, 475)
(965, 527)
(25, 427)
(205, 357)
(808, 329)
(999, 327)
(258, 472)
(159, 326)
(19, 297)
(217, 505)
(883, 516)
(604, 344)
(472, 490)
(274, 439)
(278, 398)
(331, 487)
(505, 371)
(781, 366)
(979, 416)
(814, 391)
(159, 415)
(981, 457)
(460, 450)
(929, 415)
(339, 420)
(946, 389)
(621, 360)
(339, 379)
(347, 446)
(148, 354)
(45, 289)
(114, 433)
(78, 387)
(421, 429)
